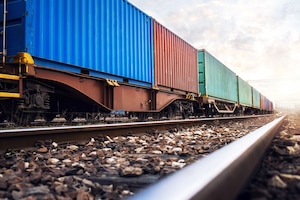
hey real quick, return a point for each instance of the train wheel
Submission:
(49, 117)
(28, 118)
(70, 117)
(184, 115)
(142, 117)
(171, 113)
(2, 116)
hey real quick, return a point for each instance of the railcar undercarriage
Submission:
(41, 99)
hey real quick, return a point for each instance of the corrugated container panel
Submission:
(244, 92)
(267, 104)
(108, 37)
(215, 79)
(271, 106)
(255, 98)
(263, 102)
(15, 26)
(175, 61)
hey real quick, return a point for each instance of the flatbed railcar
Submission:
(74, 58)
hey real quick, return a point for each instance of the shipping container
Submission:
(175, 61)
(103, 38)
(255, 98)
(244, 93)
(266, 103)
(271, 106)
(263, 102)
(215, 79)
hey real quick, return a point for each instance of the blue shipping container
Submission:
(105, 38)
(267, 104)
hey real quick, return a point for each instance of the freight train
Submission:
(94, 58)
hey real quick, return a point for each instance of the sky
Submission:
(258, 40)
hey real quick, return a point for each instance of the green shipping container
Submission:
(255, 98)
(212, 76)
(244, 93)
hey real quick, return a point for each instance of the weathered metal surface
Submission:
(93, 88)
(163, 99)
(175, 61)
(131, 98)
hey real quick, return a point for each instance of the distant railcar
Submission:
(256, 98)
(223, 92)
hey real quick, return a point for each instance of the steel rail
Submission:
(26, 137)
(220, 175)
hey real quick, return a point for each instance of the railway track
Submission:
(112, 167)
(277, 176)
(26, 137)
(220, 175)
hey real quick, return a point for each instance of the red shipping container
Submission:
(263, 105)
(175, 61)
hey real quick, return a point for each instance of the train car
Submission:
(245, 100)
(271, 106)
(217, 85)
(70, 57)
(256, 99)
(266, 105)
(106, 39)
(175, 69)
(263, 103)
